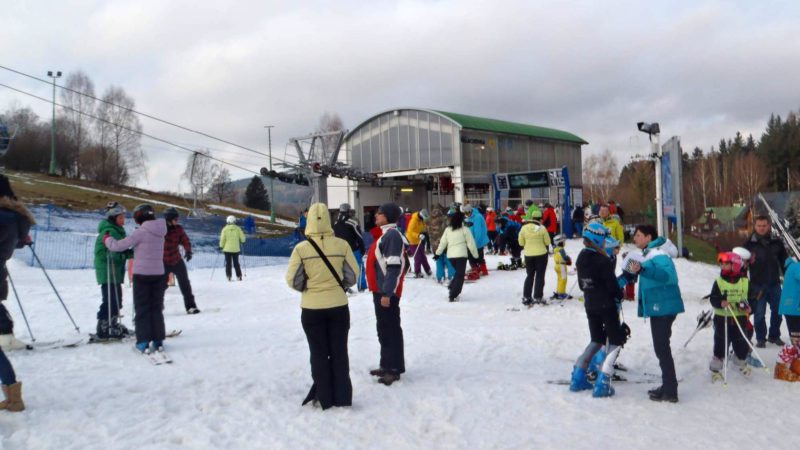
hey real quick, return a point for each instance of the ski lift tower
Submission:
(317, 154)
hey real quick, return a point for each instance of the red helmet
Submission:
(735, 262)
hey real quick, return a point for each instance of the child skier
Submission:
(729, 296)
(560, 262)
(109, 270)
(789, 367)
(600, 289)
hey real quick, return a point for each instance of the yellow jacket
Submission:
(534, 239)
(415, 226)
(307, 273)
(230, 238)
(617, 232)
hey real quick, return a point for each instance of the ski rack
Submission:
(787, 237)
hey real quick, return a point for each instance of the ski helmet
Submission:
(466, 209)
(171, 214)
(734, 260)
(596, 234)
(344, 208)
(113, 209)
(559, 239)
(144, 212)
(423, 214)
(231, 219)
(743, 253)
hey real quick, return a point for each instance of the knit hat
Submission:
(391, 211)
(423, 214)
(5, 188)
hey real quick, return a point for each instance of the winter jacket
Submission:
(478, 228)
(531, 209)
(415, 226)
(510, 230)
(436, 224)
(515, 218)
(147, 243)
(616, 229)
(659, 294)
(549, 220)
(232, 236)
(490, 224)
(560, 257)
(734, 290)
(790, 295)
(348, 229)
(533, 239)
(15, 224)
(387, 262)
(597, 280)
(175, 237)
(577, 214)
(307, 272)
(457, 243)
(101, 260)
(768, 257)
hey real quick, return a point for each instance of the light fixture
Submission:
(406, 189)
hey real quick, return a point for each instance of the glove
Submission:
(188, 256)
(106, 237)
(435, 257)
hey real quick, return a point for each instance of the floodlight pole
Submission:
(271, 180)
(659, 188)
(52, 170)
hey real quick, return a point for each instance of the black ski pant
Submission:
(390, 334)
(457, 283)
(661, 329)
(232, 258)
(535, 267)
(604, 326)
(492, 239)
(735, 338)
(115, 300)
(183, 282)
(326, 332)
(7, 375)
(148, 303)
(6, 323)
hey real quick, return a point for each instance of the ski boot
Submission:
(596, 364)
(503, 266)
(602, 387)
(527, 301)
(540, 301)
(715, 366)
(754, 362)
(578, 381)
(473, 276)
(484, 270)
(743, 367)
(117, 330)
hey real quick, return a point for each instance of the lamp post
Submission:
(271, 180)
(654, 129)
(52, 170)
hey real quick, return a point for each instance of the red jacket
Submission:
(550, 220)
(175, 237)
(490, 225)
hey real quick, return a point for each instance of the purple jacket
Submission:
(147, 242)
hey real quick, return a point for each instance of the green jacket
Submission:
(101, 262)
(230, 238)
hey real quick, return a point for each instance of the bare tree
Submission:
(330, 122)
(76, 117)
(221, 189)
(749, 176)
(119, 135)
(600, 175)
(200, 172)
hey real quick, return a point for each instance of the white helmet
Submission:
(743, 253)
(231, 219)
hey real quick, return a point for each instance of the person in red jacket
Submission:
(549, 220)
(491, 229)
(173, 263)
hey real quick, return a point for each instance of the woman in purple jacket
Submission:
(147, 243)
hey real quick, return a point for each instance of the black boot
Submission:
(102, 329)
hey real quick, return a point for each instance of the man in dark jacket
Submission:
(577, 219)
(386, 268)
(173, 263)
(766, 269)
(346, 227)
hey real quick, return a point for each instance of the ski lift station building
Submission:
(423, 157)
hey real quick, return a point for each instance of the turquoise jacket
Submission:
(790, 296)
(659, 294)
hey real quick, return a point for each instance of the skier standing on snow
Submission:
(729, 298)
(15, 223)
(598, 282)
(347, 228)
(535, 241)
(436, 226)
(491, 229)
(147, 243)
(766, 270)
(509, 237)
(230, 239)
(789, 367)
(416, 239)
(477, 225)
(322, 274)
(660, 300)
(386, 269)
(109, 268)
(458, 242)
(173, 263)
(560, 262)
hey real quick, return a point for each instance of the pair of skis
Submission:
(156, 357)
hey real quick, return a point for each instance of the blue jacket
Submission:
(659, 294)
(790, 296)
(478, 229)
(510, 230)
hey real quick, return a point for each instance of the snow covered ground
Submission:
(477, 375)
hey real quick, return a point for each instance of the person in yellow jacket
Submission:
(613, 225)
(416, 244)
(534, 240)
(561, 261)
(230, 240)
(325, 314)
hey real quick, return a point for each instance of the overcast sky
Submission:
(702, 69)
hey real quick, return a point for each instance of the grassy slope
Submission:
(36, 188)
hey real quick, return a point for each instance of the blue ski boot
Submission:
(602, 387)
(579, 382)
(596, 365)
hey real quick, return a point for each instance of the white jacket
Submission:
(457, 243)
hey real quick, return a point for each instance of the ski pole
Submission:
(14, 288)
(703, 321)
(214, 267)
(244, 264)
(108, 285)
(725, 363)
(766, 369)
(54, 289)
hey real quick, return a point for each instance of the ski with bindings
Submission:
(58, 343)
(149, 355)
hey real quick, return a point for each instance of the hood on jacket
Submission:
(318, 221)
(664, 245)
(157, 227)
(17, 206)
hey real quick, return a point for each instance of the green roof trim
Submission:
(501, 126)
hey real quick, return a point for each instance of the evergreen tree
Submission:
(255, 196)
(791, 214)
